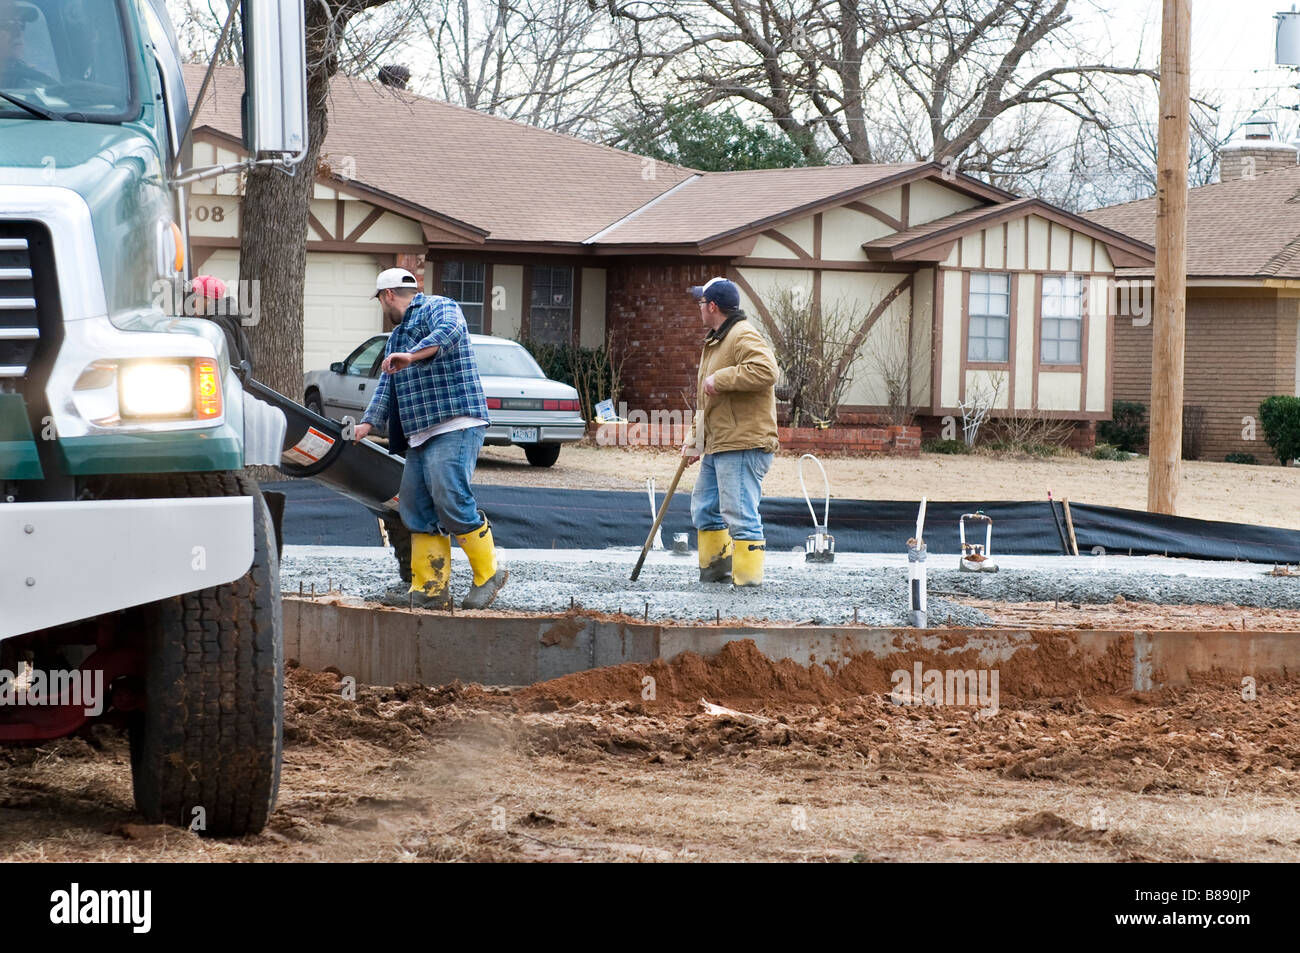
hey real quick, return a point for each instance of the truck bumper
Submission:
(61, 562)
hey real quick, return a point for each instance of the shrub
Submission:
(944, 446)
(1247, 458)
(1106, 451)
(1280, 418)
(1127, 429)
(593, 371)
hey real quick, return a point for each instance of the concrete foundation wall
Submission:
(382, 647)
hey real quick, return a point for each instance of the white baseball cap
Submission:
(395, 278)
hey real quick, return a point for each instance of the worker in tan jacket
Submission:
(733, 436)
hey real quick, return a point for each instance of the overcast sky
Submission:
(1232, 51)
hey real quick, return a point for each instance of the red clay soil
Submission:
(740, 676)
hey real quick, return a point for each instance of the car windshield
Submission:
(505, 360)
(65, 58)
(363, 359)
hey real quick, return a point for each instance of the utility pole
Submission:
(1165, 463)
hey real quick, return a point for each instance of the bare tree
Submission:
(559, 64)
(946, 76)
(818, 347)
(897, 357)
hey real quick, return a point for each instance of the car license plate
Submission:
(523, 434)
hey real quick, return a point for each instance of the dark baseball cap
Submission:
(720, 291)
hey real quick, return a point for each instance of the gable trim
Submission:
(923, 247)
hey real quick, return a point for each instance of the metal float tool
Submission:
(916, 584)
(975, 556)
(658, 542)
(820, 546)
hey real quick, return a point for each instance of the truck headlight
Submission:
(149, 389)
(111, 393)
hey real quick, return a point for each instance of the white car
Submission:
(525, 407)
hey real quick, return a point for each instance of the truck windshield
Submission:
(65, 58)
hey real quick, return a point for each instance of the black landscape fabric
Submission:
(541, 518)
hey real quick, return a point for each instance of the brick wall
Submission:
(656, 328)
(1239, 351)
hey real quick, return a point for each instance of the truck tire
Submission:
(542, 454)
(400, 538)
(211, 735)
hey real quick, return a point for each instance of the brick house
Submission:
(1243, 293)
(549, 238)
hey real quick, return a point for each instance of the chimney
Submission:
(394, 76)
(1255, 152)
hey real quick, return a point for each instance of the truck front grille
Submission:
(19, 326)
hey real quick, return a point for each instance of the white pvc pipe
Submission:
(916, 582)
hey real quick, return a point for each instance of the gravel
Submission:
(793, 591)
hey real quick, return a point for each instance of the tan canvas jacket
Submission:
(742, 415)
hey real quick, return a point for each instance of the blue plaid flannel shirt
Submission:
(444, 386)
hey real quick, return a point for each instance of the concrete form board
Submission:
(386, 646)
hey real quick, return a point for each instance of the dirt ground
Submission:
(585, 768)
(1262, 495)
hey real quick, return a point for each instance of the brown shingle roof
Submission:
(1239, 229)
(719, 203)
(518, 182)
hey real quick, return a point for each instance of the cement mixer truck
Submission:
(138, 562)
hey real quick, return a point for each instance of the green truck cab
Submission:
(135, 554)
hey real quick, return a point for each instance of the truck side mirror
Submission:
(274, 105)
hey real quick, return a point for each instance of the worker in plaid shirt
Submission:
(431, 401)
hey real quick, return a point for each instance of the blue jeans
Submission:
(435, 496)
(727, 492)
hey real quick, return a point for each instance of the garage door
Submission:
(338, 309)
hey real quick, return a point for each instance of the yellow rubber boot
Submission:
(748, 562)
(482, 553)
(715, 555)
(430, 574)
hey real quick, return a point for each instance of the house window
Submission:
(463, 282)
(987, 341)
(1062, 332)
(550, 314)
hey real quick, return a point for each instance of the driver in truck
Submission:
(14, 72)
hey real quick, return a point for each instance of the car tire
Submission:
(211, 735)
(542, 454)
(313, 403)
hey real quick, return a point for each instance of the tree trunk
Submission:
(273, 218)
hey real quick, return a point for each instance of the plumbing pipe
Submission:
(820, 546)
(916, 582)
(658, 543)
